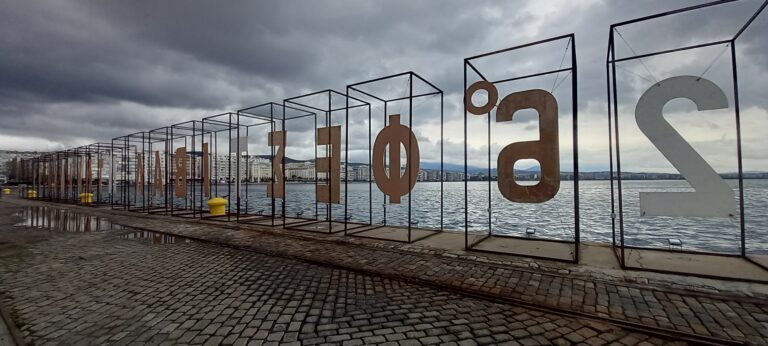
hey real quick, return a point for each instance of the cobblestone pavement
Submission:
(98, 288)
(726, 317)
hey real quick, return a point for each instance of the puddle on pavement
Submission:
(155, 237)
(65, 220)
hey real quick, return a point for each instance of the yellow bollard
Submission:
(86, 197)
(6, 191)
(31, 194)
(217, 205)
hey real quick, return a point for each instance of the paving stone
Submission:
(213, 341)
(430, 340)
(203, 293)
(374, 339)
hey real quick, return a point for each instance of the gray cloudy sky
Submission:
(77, 72)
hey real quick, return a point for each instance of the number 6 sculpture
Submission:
(545, 150)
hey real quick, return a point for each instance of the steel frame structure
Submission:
(77, 158)
(187, 135)
(213, 126)
(614, 140)
(63, 186)
(62, 176)
(264, 118)
(473, 246)
(24, 174)
(362, 90)
(316, 103)
(103, 157)
(83, 160)
(157, 142)
(124, 163)
(40, 179)
(67, 192)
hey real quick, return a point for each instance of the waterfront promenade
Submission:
(235, 284)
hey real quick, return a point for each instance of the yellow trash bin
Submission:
(31, 194)
(6, 191)
(86, 197)
(217, 205)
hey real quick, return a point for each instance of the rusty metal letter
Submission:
(330, 192)
(545, 150)
(276, 189)
(140, 173)
(206, 174)
(180, 183)
(88, 174)
(158, 180)
(394, 184)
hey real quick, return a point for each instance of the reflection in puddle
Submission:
(64, 220)
(155, 237)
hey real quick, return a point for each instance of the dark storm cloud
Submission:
(75, 71)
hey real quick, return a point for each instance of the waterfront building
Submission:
(361, 173)
(300, 171)
(259, 169)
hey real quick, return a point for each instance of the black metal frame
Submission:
(212, 127)
(362, 227)
(65, 191)
(327, 108)
(78, 187)
(68, 194)
(159, 137)
(124, 192)
(574, 90)
(41, 182)
(271, 114)
(24, 173)
(103, 152)
(189, 206)
(84, 158)
(614, 140)
(38, 177)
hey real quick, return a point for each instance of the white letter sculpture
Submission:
(712, 196)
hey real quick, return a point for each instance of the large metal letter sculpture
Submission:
(79, 173)
(180, 182)
(88, 174)
(158, 179)
(546, 150)
(712, 196)
(276, 189)
(331, 165)
(393, 184)
(206, 174)
(139, 174)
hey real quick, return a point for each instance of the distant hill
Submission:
(446, 166)
(287, 159)
(585, 172)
